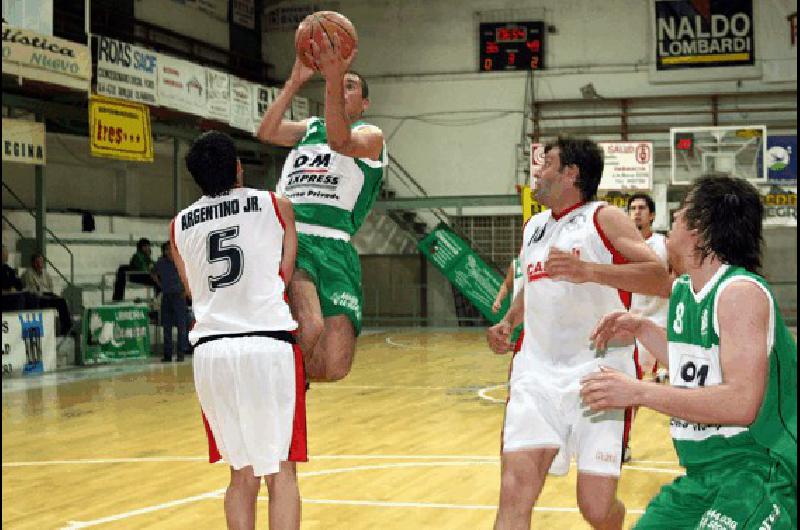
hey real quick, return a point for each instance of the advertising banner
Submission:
(23, 141)
(29, 341)
(529, 205)
(218, 95)
(780, 205)
(126, 71)
(181, 85)
(244, 13)
(262, 98)
(627, 166)
(462, 267)
(30, 55)
(708, 34)
(120, 129)
(242, 105)
(115, 332)
(782, 157)
(300, 108)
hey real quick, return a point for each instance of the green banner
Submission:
(115, 332)
(465, 270)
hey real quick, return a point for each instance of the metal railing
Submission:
(71, 280)
(402, 174)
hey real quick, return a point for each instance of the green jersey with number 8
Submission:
(694, 361)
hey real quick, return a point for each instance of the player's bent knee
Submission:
(336, 371)
(596, 512)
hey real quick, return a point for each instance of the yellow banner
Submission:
(120, 129)
(529, 205)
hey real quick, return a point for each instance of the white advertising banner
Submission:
(262, 98)
(29, 341)
(31, 55)
(181, 85)
(780, 205)
(218, 95)
(126, 71)
(300, 108)
(242, 105)
(627, 166)
(23, 141)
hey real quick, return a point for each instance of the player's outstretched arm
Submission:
(505, 287)
(623, 327)
(276, 130)
(744, 319)
(289, 238)
(362, 142)
(643, 273)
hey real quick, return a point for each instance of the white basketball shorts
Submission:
(545, 411)
(251, 391)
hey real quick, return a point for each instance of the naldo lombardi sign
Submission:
(704, 34)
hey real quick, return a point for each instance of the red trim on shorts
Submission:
(517, 347)
(617, 258)
(568, 210)
(213, 451)
(298, 450)
(277, 211)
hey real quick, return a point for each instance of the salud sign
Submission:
(120, 129)
(627, 166)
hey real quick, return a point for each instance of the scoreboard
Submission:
(512, 46)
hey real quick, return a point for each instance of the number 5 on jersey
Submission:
(230, 254)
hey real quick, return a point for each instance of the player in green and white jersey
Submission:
(332, 176)
(733, 371)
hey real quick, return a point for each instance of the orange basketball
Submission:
(324, 24)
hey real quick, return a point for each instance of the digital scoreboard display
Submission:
(511, 46)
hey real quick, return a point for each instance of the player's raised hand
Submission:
(609, 389)
(300, 72)
(328, 57)
(619, 327)
(498, 337)
(567, 266)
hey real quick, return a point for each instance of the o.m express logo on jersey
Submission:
(704, 33)
(311, 177)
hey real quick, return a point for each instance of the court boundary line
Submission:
(74, 524)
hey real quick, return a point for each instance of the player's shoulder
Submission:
(367, 127)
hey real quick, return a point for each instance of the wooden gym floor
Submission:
(408, 440)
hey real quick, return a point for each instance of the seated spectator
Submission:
(138, 270)
(37, 281)
(173, 305)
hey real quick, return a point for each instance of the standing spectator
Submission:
(173, 304)
(38, 282)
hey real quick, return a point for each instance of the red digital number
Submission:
(487, 63)
(512, 57)
(492, 47)
(520, 33)
(534, 45)
(534, 63)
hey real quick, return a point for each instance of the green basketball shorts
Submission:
(335, 269)
(741, 496)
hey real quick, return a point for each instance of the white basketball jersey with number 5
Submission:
(232, 246)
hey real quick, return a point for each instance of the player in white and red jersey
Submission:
(235, 249)
(579, 259)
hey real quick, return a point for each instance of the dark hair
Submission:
(364, 86)
(164, 247)
(36, 255)
(585, 154)
(141, 243)
(728, 213)
(212, 162)
(651, 204)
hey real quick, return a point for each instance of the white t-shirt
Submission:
(653, 307)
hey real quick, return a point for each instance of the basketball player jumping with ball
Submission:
(332, 176)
